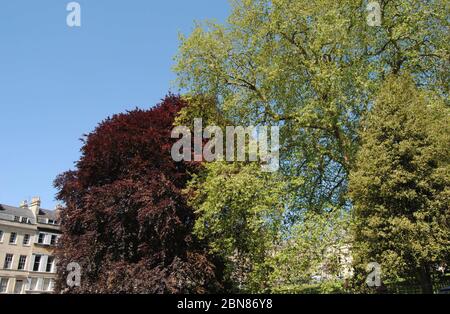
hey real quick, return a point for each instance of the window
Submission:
(18, 287)
(52, 285)
(41, 238)
(37, 262)
(49, 266)
(25, 220)
(22, 261)
(13, 238)
(26, 239)
(53, 239)
(46, 284)
(1, 236)
(33, 283)
(8, 261)
(3, 284)
(16, 218)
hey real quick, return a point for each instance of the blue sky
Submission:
(57, 83)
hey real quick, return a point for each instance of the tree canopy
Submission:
(126, 222)
(401, 185)
(364, 158)
(314, 68)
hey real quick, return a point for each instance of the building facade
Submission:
(28, 237)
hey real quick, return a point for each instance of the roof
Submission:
(45, 213)
(9, 212)
(16, 211)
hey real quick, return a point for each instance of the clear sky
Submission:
(57, 83)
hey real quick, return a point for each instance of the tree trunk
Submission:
(425, 280)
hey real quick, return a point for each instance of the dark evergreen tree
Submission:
(401, 186)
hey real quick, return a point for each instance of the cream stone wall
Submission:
(17, 249)
(28, 280)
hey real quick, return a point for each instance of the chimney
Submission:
(35, 205)
(24, 204)
(58, 209)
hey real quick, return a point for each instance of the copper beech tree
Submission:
(126, 222)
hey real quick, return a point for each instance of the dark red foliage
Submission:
(126, 221)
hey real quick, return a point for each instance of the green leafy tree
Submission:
(240, 213)
(401, 185)
(313, 68)
(318, 248)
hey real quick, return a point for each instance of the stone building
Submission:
(28, 236)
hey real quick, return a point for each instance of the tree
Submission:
(317, 251)
(126, 221)
(240, 213)
(313, 68)
(401, 185)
